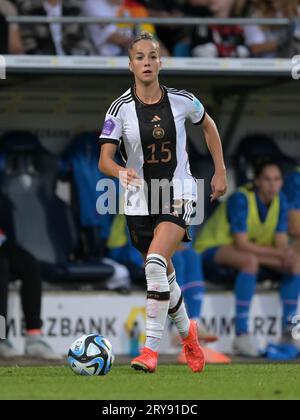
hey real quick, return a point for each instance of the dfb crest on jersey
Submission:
(158, 132)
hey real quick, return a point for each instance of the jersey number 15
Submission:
(165, 152)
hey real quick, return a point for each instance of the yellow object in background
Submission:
(131, 8)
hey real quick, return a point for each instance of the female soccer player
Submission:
(148, 122)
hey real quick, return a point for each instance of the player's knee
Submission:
(249, 264)
(155, 264)
(156, 272)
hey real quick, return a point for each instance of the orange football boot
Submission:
(193, 352)
(147, 361)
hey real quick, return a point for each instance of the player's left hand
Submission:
(289, 259)
(219, 186)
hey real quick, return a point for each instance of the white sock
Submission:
(152, 343)
(158, 299)
(177, 311)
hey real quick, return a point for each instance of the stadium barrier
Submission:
(180, 21)
(175, 66)
(67, 315)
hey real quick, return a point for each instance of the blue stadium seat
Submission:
(41, 222)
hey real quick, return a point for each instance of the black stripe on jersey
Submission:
(120, 105)
(117, 106)
(180, 93)
(180, 90)
(202, 119)
(124, 96)
(116, 103)
(107, 140)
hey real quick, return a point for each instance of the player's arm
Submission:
(281, 240)
(264, 253)
(213, 141)
(111, 134)
(243, 243)
(287, 252)
(276, 258)
(281, 237)
(109, 167)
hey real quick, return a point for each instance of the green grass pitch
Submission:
(270, 381)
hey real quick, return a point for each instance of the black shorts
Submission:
(141, 228)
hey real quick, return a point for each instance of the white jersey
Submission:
(153, 141)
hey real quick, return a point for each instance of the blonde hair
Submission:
(144, 36)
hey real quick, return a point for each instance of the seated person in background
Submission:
(10, 37)
(15, 264)
(108, 39)
(53, 39)
(292, 192)
(220, 40)
(169, 35)
(270, 41)
(249, 231)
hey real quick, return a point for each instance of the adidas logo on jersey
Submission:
(155, 119)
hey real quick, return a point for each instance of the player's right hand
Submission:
(219, 186)
(129, 179)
